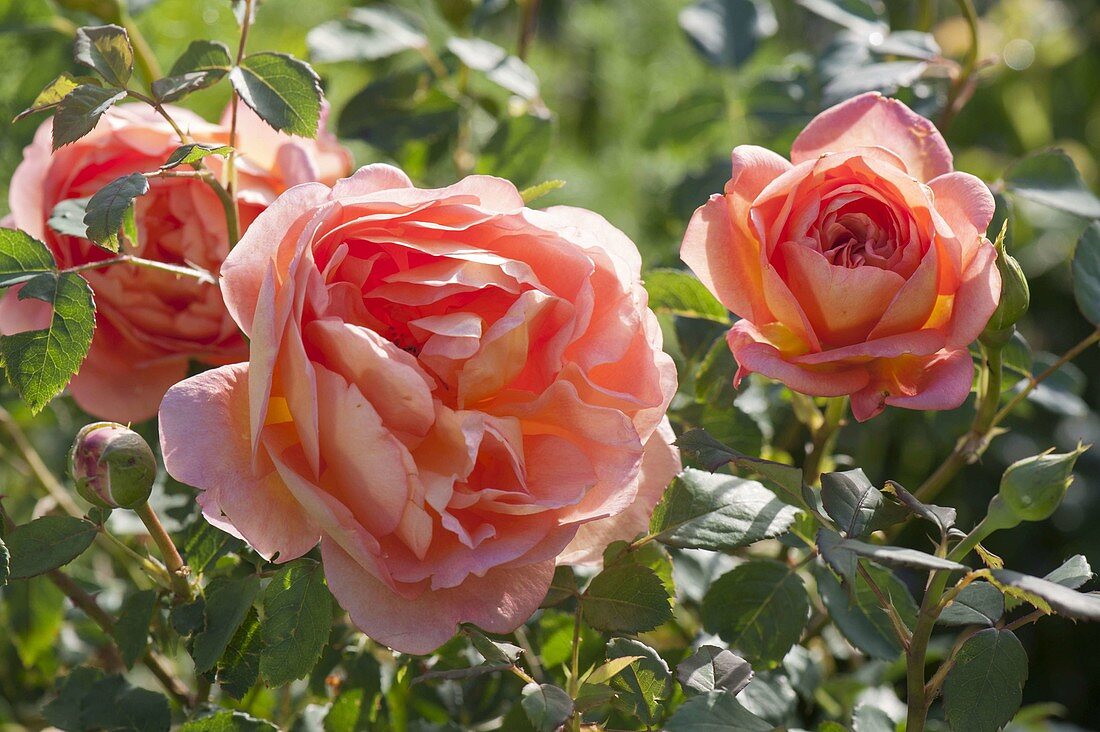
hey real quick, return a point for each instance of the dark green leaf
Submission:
(400, 110)
(1073, 573)
(239, 667)
(715, 712)
(517, 148)
(562, 587)
(547, 706)
(283, 91)
(227, 603)
(187, 618)
(627, 598)
(369, 33)
(681, 293)
(107, 209)
(984, 688)
(105, 49)
(759, 608)
(1051, 179)
(205, 543)
(842, 553)
(1086, 273)
(869, 718)
(68, 217)
(1062, 599)
(492, 651)
(50, 96)
(297, 620)
(32, 614)
(89, 700)
(203, 64)
(5, 564)
(771, 697)
(192, 153)
(227, 721)
(850, 500)
(885, 77)
(713, 511)
(644, 683)
(725, 32)
(22, 257)
(979, 603)
(39, 363)
(714, 669)
(504, 70)
(858, 615)
(713, 455)
(47, 543)
(132, 626)
(942, 517)
(80, 110)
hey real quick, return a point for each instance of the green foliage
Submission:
(1086, 273)
(725, 32)
(227, 721)
(80, 110)
(106, 50)
(546, 706)
(626, 597)
(759, 608)
(367, 34)
(283, 91)
(517, 148)
(858, 614)
(227, 604)
(22, 257)
(715, 710)
(297, 618)
(1051, 179)
(5, 563)
(202, 65)
(1059, 597)
(714, 669)
(68, 217)
(111, 208)
(677, 292)
(850, 500)
(644, 684)
(47, 543)
(132, 626)
(192, 153)
(984, 688)
(979, 603)
(89, 700)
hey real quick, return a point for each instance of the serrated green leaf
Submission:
(227, 721)
(51, 95)
(39, 363)
(626, 598)
(840, 553)
(368, 33)
(716, 711)
(239, 667)
(132, 626)
(712, 511)
(858, 615)
(106, 210)
(984, 688)
(507, 71)
(78, 113)
(1072, 573)
(492, 651)
(643, 684)
(47, 543)
(283, 91)
(297, 619)
(850, 500)
(547, 706)
(680, 293)
(1051, 179)
(205, 543)
(401, 110)
(106, 50)
(1086, 273)
(714, 669)
(517, 148)
(227, 604)
(724, 32)
(192, 153)
(1060, 598)
(68, 217)
(759, 608)
(89, 700)
(203, 64)
(22, 257)
(941, 516)
(979, 603)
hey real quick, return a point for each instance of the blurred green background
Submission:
(642, 128)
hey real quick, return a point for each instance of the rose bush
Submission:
(443, 388)
(149, 323)
(860, 267)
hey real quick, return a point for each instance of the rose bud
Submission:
(1015, 297)
(1034, 487)
(112, 465)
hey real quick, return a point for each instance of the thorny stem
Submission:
(231, 161)
(179, 571)
(898, 624)
(199, 274)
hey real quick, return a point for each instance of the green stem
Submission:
(824, 439)
(179, 571)
(234, 100)
(575, 669)
(199, 274)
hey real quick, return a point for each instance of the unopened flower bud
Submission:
(1015, 297)
(112, 466)
(1034, 487)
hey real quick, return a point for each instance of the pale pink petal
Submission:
(967, 206)
(976, 299)
(205, 441)
(370, 179)
(726, 259)
(874, 120)
(755, 355)
(499, 602)
(591, 231)
(941, 381)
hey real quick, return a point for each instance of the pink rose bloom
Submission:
(444, 387)
(859, 268)
(150, 324)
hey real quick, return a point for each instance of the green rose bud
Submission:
(1015, 297)
(112, 466)
(1033, 488)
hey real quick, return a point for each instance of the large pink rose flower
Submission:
(443, 388)
(149, 323)
(861, 267)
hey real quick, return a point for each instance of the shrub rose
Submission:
(443, 387)
(150, 323)
(860, 269)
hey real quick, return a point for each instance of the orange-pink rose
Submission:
(444, 388)
(862, 268)
(149, 323)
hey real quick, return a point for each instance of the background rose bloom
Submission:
(443, 387)
(149, 323)
(861, 269)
